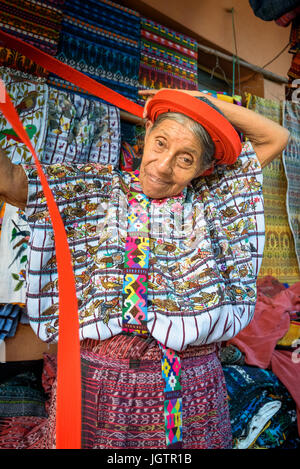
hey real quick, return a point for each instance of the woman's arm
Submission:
(267, 137)
(13, 182)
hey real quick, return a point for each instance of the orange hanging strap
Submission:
(70, 74)
(68, 422)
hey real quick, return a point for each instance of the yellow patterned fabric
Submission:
(279, 259)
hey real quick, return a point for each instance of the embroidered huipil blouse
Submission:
(206, 246)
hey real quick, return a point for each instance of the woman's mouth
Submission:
(157, 180)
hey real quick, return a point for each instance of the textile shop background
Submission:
(129, 46)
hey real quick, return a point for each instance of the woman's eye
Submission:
(186, 160)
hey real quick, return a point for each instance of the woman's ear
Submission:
(148, 127)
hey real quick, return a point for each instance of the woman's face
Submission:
(171, 159)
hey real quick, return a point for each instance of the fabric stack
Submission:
(168, 58)
(261, 367)
(37, 23)
(102, 41)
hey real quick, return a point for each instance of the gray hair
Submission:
(200, 133)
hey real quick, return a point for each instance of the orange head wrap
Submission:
(226, 139)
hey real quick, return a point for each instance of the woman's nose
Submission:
(164, 163)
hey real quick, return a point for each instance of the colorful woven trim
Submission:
(135, 288)
(171, 370)
(134, 311)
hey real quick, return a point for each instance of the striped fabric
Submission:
(36, 22)
(205, 252)
(168, 58)
(100, 39)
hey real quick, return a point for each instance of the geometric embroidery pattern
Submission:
(134, 305)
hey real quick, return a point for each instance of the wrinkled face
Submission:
(171, 159)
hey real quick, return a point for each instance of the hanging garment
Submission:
(37, 23)
(102, 41)
(30, 96)
(290, 158)
(81, 130)
(279, 255)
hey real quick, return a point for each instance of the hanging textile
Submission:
(291, 158)
(168, 58)
(29, 95)
(81, 130)
(294, 70)
(101, 40)
(37, 23)
(279, 259)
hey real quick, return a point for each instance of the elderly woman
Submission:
(165, 260)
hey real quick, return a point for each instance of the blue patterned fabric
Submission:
(102, 40)
(262, 412)
(9, 318)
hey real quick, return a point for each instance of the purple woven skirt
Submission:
(123, 397)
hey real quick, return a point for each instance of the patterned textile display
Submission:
(294, 71)
(29, 95)
(201, 289)
(35, 22)
(291, 161)
(118, 414)
(9, 318)
(101, 40)
(81, 130)
(262, 412)
(22, 432)
(168, 58)
(279, 259)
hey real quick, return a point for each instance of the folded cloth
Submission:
(81, 130)
(288, 17)
(260, 407)
(258, 340)
(269, 10)
(9, 318)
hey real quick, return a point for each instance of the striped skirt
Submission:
(123, 397)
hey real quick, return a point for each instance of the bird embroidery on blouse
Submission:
(10, 134)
